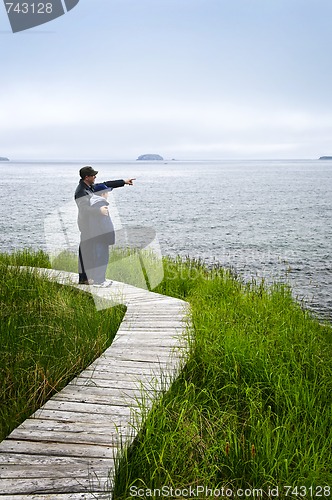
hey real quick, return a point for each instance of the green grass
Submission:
(252, 408)
(26, 257)
(49, 334)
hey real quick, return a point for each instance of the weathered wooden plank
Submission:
(152, 301)
(166, 315)
(155, 384)
(58, 449)
(106, 393)
(160, 383)
(56, 485)
(171, 329)
(110, 394)
(126, 352)
(152, 333)
(60, 496)
(145, 385)
(157, 365)
(111, 437)
(160, 356)
(122, 380)
(107, 410)
(109, 359)
(150, 330)
(111, 382)
(34, 471)
(157, 346)
(83, 390)
(94, 398)
(136, 310)
(93, 376)
(145, 301)
(72, 416)
(77, 427)
(94, 409)
(172, 317)
(106, 362)
(22, 459)
(157, 370)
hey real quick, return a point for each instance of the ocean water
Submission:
(264, 219)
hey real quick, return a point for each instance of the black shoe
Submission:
(86, 282)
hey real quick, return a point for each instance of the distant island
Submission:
(3, 158)
(325, 158)
(150, 157)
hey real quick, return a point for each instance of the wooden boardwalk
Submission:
(67, 449)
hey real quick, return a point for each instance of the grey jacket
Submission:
(101, 226)
(83, 194)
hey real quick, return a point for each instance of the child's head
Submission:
(101, 190)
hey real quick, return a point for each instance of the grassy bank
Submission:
(252, 408)
(49, 334)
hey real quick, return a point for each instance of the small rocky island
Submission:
(150, 157)
(325, 158)
(3, 158)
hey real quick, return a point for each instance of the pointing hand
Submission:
(130, 181)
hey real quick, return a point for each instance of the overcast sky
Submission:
(188, 79)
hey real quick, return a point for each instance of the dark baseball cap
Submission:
(101, 187)
(87, 171)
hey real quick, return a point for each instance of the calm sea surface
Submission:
(270, 219)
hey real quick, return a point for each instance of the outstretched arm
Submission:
(114, 184)
(118, 183)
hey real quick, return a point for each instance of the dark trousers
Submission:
(85, 258)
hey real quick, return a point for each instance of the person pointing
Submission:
(83, 193)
